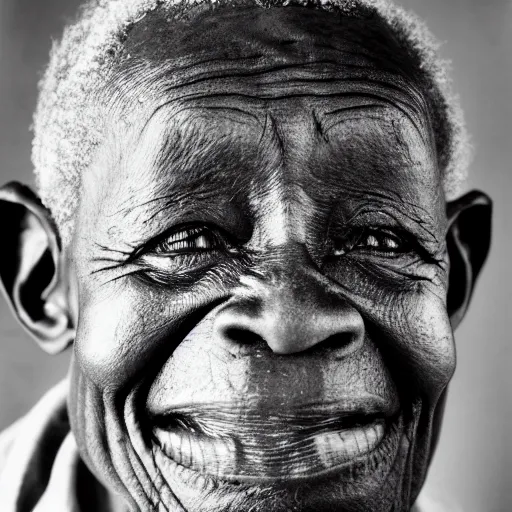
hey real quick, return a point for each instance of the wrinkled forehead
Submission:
(225, 98)
(259, 54)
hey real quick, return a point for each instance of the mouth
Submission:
(240, 444)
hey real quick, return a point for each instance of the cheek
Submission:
(408, 320)
(110, 342)
(121, 333)
(424, 337)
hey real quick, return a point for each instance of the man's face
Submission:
(260, 270)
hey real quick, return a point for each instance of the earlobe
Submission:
(468, 242)
(31, 268)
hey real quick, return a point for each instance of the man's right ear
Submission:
(31, 268)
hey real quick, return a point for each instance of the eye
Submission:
(188, 240)
(380, 241)
(383, 242)
(188, 249)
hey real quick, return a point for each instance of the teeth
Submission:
(171, 445)
(219, 456)
(371, 436)
(198, 453)
(338, 447)
(202, 453)
(351, 447)
(361, 440)
(186, 451)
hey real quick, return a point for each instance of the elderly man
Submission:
(252, 232)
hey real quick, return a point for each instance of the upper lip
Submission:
(223, 417)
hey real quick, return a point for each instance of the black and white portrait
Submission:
(255, 256)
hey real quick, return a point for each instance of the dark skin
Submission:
(264, 275)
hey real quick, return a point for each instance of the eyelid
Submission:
(187, 234)
(150, 245)
(347, 231)
(185, 267)
(153, 243)
(421, 233)
(400, 238)
(353, 235)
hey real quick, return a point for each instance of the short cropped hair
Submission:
(66, 128)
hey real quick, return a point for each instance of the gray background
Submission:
(473, 465)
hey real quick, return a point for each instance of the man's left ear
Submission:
(468, 242)
(31, 268)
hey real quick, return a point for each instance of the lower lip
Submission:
(272, 456)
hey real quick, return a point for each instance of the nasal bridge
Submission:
(280, 203)
(291, 306)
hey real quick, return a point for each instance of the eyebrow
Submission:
(189, 158)
(192, 170)
(181, 181)
(365, 104)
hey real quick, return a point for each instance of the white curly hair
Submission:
(66, 128)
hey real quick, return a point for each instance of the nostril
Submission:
(241, 335)
(337, 341)
(342, 344)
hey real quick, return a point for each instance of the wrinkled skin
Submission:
(309, 294)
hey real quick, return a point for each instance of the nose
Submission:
(291, 314)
